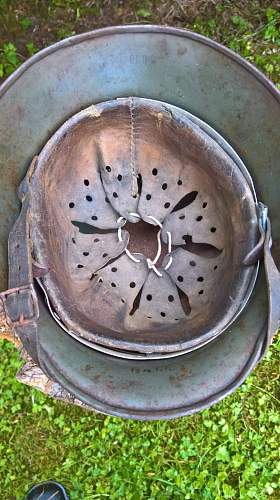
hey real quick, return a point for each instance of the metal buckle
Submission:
(23, 320)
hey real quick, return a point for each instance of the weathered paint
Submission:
(191, 72)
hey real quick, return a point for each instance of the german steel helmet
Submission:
(140, 270)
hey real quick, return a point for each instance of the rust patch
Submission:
(163, 48)
(181, 51)
(186, 372)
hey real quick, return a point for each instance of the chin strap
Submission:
(273, 285)
(263, 250)
(19, 310)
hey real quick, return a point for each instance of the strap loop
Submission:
(19, 305)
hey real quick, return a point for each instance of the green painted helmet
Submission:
(140, 273)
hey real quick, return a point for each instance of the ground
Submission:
(230, 451)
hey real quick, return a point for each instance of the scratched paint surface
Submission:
(185, 72)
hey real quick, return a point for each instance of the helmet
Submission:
(142, 223)
(140, 265)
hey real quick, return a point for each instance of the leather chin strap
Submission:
(262, 250)
(273, 285)
(19, 309)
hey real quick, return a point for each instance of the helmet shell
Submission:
(214, 84)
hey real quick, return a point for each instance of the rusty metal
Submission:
(195, 74)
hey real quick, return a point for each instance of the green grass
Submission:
(230, 451)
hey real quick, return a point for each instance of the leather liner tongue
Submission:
(87, 253)
(198, 277)
(201, 219)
